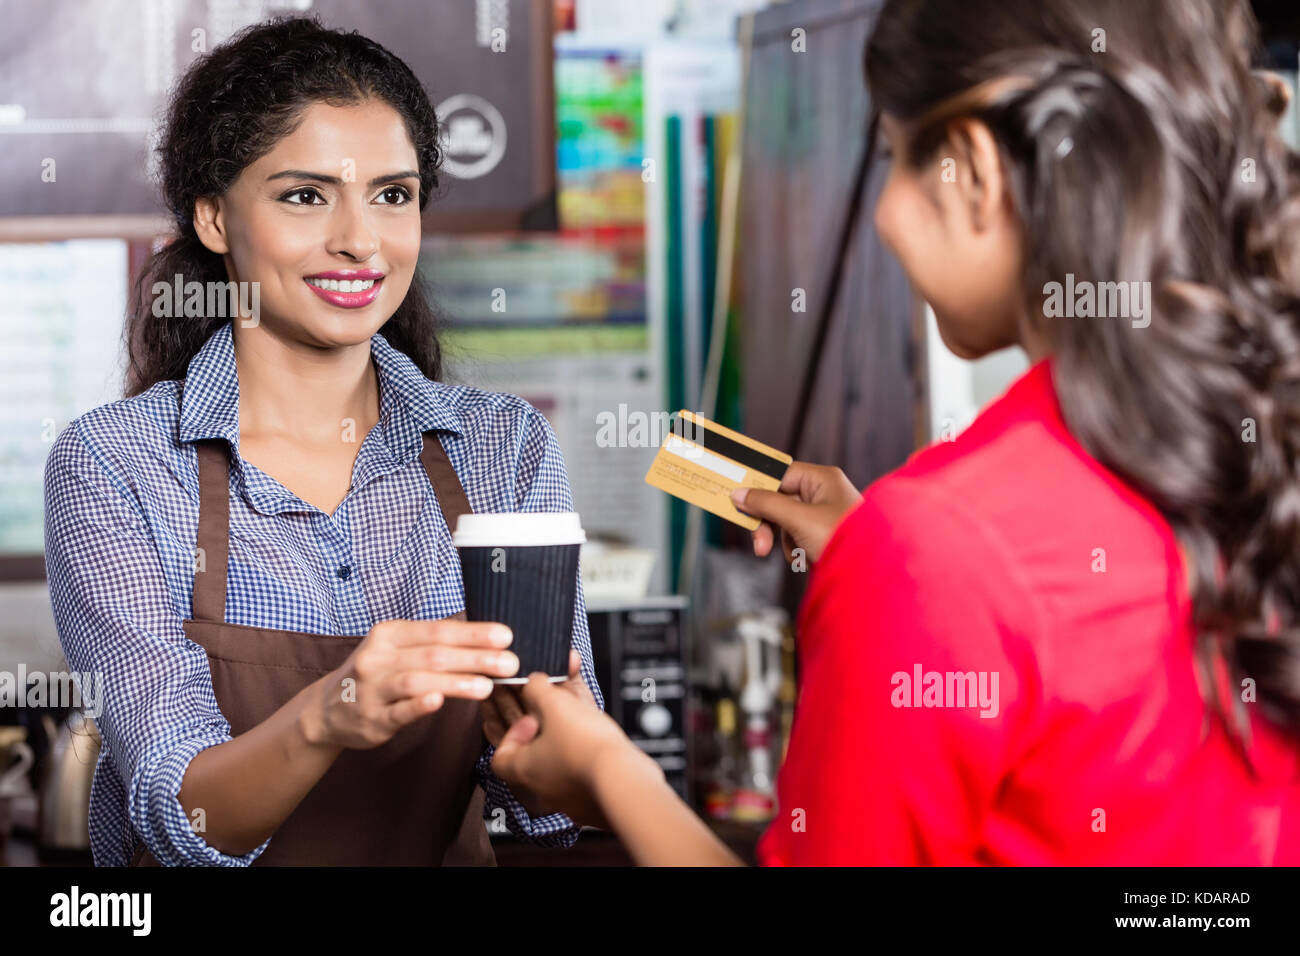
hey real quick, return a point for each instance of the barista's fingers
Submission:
(446, 630)
(413, 708)
(463, 660)
(398, 685)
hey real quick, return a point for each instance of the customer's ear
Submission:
(977, 173)
(1277, 93)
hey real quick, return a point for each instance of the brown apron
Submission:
(411, 802)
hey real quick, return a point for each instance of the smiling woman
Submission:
(287, 214)
(254, 546)
(286, 133)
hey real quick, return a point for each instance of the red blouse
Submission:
(997, 667)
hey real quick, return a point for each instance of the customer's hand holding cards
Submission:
(743, 480)
(702, 462)
(811, 502)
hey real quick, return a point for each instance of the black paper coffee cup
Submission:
(522, 569)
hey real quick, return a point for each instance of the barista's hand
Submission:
(812, 500)
(402, 671)
(503, 708)
(550, 754)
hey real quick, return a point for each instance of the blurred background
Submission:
(651, 205)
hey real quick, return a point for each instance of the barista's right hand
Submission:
(400, 672)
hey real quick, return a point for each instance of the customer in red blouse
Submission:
(1012, 553)
(1071, 635)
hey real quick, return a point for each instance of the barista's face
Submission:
(339, 195)
(950, 223)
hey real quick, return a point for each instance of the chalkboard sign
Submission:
(84, 83)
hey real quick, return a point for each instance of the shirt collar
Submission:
(1033, 393)
(1032, 396)
(410, 404)
(412, 398)
(210, 393)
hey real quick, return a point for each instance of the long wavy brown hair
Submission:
(1140, 146)
(229, 109)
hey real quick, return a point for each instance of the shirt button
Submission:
(344, 572)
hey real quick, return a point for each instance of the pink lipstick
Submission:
(346, 288)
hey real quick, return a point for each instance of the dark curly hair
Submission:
(1175, 174)
(228, 110)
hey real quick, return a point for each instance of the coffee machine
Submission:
(639, 650)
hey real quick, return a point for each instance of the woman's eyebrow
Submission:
(336, 181)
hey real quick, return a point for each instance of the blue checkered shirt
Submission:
(121, 520)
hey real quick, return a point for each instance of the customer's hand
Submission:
(550, 754)
(504, 707)
(812, 500)
(400, 672)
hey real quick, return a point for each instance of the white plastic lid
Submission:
(518, 529)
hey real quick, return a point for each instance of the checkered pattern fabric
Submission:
(121, 519)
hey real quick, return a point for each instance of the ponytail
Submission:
(1160, 165)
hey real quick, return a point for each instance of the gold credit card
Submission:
(702, 462)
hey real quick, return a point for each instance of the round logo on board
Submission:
(475, 135)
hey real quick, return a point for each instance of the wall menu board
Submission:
(84, 84)
(601, 144)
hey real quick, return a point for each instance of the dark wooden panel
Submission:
(805, 127)
(84, 84)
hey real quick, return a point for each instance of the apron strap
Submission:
(446, 483)
(214, 516)
(214, 531)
